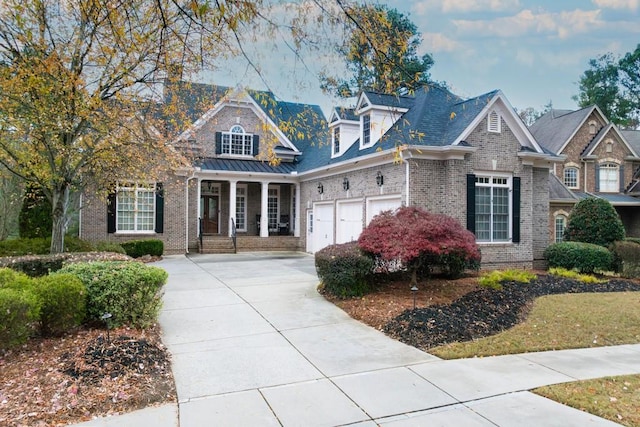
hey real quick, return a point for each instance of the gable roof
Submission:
(633, 138)
(600, 136)
(403, 102)
(556, 128)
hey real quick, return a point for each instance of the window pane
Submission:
(366, 129)
(560, 226)
(241, 214)
(483, 213)
(272, 208)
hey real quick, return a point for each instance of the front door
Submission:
(209, 213)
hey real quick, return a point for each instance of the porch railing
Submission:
(233, 236)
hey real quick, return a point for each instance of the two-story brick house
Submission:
(599, 161)
(472, 159)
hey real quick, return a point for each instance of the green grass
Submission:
(614, 398)
(561, 322)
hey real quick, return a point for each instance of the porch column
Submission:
(264, 212)
(232, 206)
(296, 208)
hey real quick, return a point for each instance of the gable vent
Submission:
(493, 122)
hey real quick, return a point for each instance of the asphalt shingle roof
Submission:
(633, 138)
(558, 191)
(554, 129)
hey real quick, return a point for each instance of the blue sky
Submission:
(534, 51)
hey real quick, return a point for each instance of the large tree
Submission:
(614, 85)
(380, 53)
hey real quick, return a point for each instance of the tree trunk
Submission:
(60, 208)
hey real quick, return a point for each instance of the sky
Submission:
(534, 51)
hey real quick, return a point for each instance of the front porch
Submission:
(244, 243)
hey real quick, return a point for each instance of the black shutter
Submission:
(159, 208)
(471, 203)
(622, 182)
(218, 142)
(111, 211)
(597, 180)
(256, 145)
(515, 225)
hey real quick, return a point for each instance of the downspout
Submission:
(186, 222)
(407, 172)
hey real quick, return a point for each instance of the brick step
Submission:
(216, 245)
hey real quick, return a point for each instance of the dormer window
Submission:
(336, 140)
(493, 122)
(366, 129)
(237, 142)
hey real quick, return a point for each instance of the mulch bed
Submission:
(485, 312)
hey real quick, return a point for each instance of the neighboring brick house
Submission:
(599, 161)
(471, 159)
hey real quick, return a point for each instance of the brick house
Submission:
(471, 159)
(599, 160)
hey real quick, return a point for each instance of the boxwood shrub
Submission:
(19, 313)
(63, 299)
(139, 248)
(129, 291)
(345, 271)
(584, 257)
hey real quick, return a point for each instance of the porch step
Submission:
(216, 245)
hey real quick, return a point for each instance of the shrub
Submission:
(129, 291)
(627, 256)
(421, 241)
(63, 302)
(344, 269)
(138, 248)
(10, 278)
(570, 274)
(19, 311)
(110, 247)
(24, 246)
(583, 257)
(75, 244)
(595, 221)
(495, 278)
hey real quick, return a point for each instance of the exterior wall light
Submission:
(345, 184)
(320, 188)
(379, 179)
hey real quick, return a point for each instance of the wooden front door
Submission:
(209, 213)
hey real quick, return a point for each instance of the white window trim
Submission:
(245, 137)
(364, 144)
(244, 205)
(556, 217)
(277, 188)
(608, 165)
(136, 187)
(494, 122)
(335, 152)
(564, 181)
(509, 185)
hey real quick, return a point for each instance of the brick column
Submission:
(264, 213)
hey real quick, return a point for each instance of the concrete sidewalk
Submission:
(254, 344)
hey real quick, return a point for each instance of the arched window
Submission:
(609, 176)
(237, 142)
(571, 177)
(560, 225)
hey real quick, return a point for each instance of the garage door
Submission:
(381, 204)
(323, 226)
(349, 219)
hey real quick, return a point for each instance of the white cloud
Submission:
(525, 56)
(421, 7)
(563, 24)
(438, 42)
(617, 4)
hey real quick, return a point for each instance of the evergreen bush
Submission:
(19, 313)
(594, 220)
(627, 256)
(63, 299)
(139, 248)
(583, 257)
(345, 271)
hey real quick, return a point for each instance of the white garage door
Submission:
(323, 226)
(381, 204)
(349, 219)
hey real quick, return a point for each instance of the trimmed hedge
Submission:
(627, 256)
(129, 291)
(139, 248)
(41, 246)
(19, 312)
(63, 298)
(584, 257)
(345, 271)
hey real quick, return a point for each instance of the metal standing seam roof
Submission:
(236, 165)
